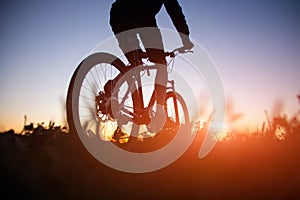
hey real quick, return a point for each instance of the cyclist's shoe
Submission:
(118, 134)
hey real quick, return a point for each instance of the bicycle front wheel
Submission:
(86, 114)
(176, 109)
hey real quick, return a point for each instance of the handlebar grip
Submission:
(181, 50)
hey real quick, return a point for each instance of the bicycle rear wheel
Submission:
(86, 114)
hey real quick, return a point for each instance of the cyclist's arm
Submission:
(176, 14)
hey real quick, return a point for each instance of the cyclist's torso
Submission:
(142, 13)
(134, 8)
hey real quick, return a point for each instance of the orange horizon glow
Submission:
(242, 125)
(235, 120)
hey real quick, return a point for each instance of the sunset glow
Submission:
(257, 56)
(80, 121)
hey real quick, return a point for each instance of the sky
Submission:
(254, 44)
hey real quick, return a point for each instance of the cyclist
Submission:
(134, 14)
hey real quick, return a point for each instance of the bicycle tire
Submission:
(80, 76)
(184, 115)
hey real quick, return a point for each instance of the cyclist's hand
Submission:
(187, 44)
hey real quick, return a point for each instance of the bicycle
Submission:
(97, 106)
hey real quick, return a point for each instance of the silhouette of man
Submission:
(134, 14)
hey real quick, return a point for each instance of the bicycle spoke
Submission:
(88, 82)
(87, 98)
(96, 82)
(96, 69)
(88, 89)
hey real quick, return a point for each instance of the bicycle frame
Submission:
(96, 104)
(140, 114)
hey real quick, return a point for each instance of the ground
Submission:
(59, 167)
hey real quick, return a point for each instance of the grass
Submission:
(48, 167)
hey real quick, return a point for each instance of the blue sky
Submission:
(255, 44)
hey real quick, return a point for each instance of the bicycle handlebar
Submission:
(177, 51)
(170, 54)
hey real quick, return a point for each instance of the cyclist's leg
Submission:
(129, 44)
(152, 41)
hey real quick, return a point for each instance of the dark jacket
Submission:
(128, 14)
